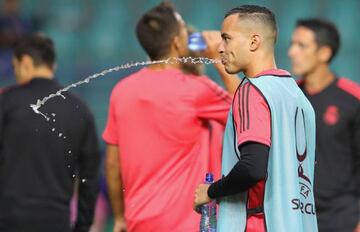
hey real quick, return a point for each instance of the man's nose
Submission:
(221, 48)
(291, 51)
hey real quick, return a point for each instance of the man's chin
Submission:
(298, 73)
(230, 70)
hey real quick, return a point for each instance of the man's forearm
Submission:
(114, 183)
(249, 170)
(213, 39)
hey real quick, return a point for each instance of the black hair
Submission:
(156, 29)
(263, 14)
(326, 33)
(39, 47)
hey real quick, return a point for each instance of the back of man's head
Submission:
(39, 47)
(260, 16)
(156, 29)
(326, 33)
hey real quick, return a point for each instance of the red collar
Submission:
(274, 72)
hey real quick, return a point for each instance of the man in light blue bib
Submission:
(269, 143)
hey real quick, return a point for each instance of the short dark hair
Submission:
(326, 33)
(259, 12)
(156, 29)
(39, 47)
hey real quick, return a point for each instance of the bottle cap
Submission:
(209, 178)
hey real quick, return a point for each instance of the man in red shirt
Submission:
(158, 132)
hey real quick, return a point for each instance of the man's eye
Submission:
(301, 45)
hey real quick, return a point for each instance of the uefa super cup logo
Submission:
(305, 184)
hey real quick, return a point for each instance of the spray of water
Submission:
(171, 60)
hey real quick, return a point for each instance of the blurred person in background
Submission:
(157, 130)
(41, 160)
(216, 130)
(315, 43)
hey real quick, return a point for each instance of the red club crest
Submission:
(331, 115)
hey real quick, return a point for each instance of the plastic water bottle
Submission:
(208, 211)
(196, 42)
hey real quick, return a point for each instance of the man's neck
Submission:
(43, 73)
(39, 73)
(267, 63)
(163, 66)
(317, 80)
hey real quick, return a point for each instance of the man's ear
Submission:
(27, 66)
(255, 42)
(324, 54)
(176, 43)
(27, 63)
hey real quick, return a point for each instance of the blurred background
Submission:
(93, 35)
